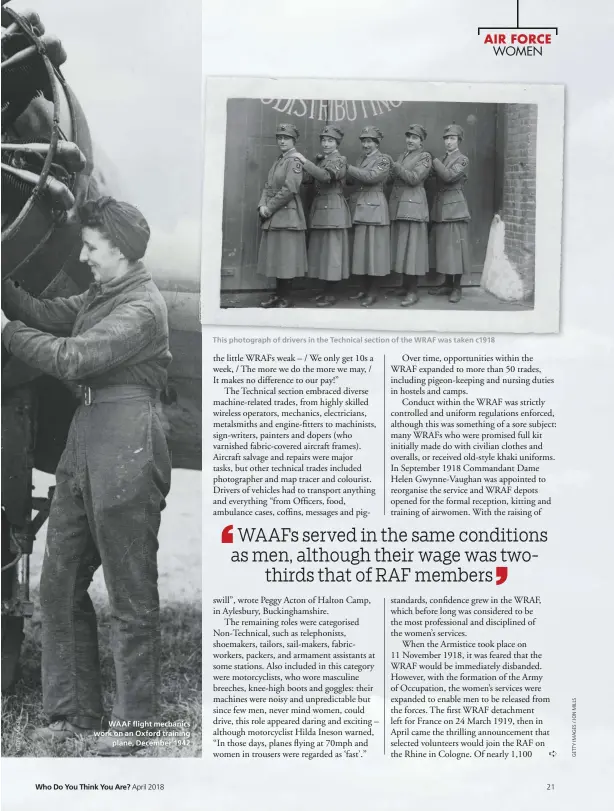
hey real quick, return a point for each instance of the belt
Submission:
(115, 394)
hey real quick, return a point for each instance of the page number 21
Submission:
(550, 787)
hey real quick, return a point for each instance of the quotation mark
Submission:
(227, 534)
(501, 575)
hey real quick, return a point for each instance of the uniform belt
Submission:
(114, 394)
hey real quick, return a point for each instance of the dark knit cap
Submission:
(125, 225)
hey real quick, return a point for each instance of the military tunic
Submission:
(283, 252)
(409, 214)
(369, 210)
(450, 215)
(328, 255)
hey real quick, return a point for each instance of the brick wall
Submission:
(518, 192)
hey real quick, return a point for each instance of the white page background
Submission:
(416, 41)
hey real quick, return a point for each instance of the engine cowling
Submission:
(50, 167)
(47, 161)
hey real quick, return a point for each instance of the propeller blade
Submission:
(53, 48)
(31, 18)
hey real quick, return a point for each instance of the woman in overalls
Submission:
(111, 344)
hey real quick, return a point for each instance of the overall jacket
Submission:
(451, 173)
(329, 208)
(408, 198)
(115, 333)
(368, 204)
(281, 195)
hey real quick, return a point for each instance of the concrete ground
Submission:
(474, 299)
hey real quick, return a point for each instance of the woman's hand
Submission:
(299, 156)
(264, 212)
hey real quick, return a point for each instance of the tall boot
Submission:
(401, 289)
(370, 297)
(410, 285)
(444, 289)
(280, 298)
(363, 289)
(328, 298)
(456, 293)
(284, 288)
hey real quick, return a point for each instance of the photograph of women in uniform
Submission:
(283, 254)
(409, 214)
(369, 209)
(393, 220)
(328, 254)
(450, 216)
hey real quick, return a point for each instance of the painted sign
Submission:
(332, 109)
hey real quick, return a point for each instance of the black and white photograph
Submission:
(425, 209)
(101, 382)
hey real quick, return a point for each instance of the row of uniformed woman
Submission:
(386, 234)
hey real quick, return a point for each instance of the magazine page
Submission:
(400, 608)
(357, 256)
